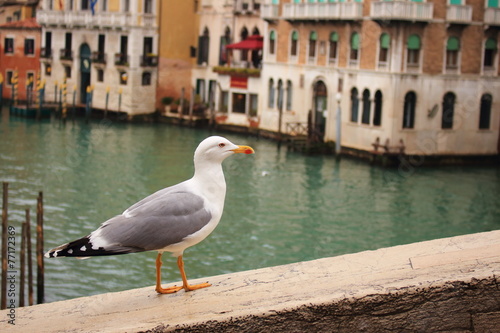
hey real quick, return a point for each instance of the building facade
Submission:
(420, 74)
(108, 47)
(19, 58)
(228, 79)
(178, 32)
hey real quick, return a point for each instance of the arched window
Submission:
(409, 110)
(383, 55)
(448, 111)
(354, 105)
(224, 40)
(271, 93)
(146, 79)
(377, 114)
(203, 44)
(333, 45)
(365, 117)
(243, 36)
(313, 37)
(294, 41)
(280, 95)
(490, 51)
(354, 55)
(272, 42)
(413, 51)
(452, 49)
(485, 111)
(289, 95)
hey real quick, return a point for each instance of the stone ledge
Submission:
(453, 285)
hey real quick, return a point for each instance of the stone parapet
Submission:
(444, 285)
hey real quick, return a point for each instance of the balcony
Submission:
(269, 12)
(121, 59)
(149, 60)
(84, 18)
(492, 16)
(322, 11)
(99, 57)
(46, 53)
(66, 54)
(237, 71)
(401, 11)
(459, 14)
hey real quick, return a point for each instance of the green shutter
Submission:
(272, 35)
(295, 35)
(313, 36)
(492, 3)
(453, 44)
(491, 44)
(355, 41)
(334, 37)
(385, 41)
(414, 42)
(456, 2)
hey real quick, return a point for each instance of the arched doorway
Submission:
(85, 62)
(320, 99)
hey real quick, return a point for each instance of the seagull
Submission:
(170, 220)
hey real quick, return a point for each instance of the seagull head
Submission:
(217, 149)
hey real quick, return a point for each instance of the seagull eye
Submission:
(222, 145)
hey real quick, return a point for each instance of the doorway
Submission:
(85, 62)
(320, 99)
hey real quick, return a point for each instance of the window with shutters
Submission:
(333, 48)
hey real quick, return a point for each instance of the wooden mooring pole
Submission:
(39, 250)
(3, 291)
(30, 260)
(23, 265)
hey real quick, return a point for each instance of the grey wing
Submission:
(153, 224)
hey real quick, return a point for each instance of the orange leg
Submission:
(175, 289)
(159, 289)
(185, 283)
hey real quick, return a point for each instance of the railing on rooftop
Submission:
(323, 11)
(492, 16)
(402, 10)
(85, 18)
(269, 11)
(459, 14)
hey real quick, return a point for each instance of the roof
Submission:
(30, 23)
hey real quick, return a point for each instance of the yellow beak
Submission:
(244, 150)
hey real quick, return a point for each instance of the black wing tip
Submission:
(82, 247)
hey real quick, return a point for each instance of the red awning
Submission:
(254, 42)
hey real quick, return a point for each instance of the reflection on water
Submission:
(280, 207)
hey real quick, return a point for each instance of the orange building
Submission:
(19, 52)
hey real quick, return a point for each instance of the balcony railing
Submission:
(121, 59)
(46, 53)
(492, 16)
(149, 60)
(459, 14)
(99, 57)
(402, 10)
(269, 11)
(85, 19)
(65, 54)
(323, 11)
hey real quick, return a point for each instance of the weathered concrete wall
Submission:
(443, 285)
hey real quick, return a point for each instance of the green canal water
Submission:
(281, 207)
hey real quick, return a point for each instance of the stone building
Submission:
(109, 45)
(228, 79)
(420, 74)
(19, 57)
